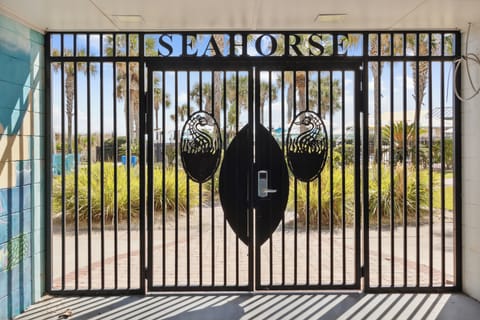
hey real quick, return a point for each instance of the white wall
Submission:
(471, 174)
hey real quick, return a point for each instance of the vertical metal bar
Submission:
(164, 209)
(252, 254)
(63, 174)
(295, 239)
(75, 95)
(89, 172)
(212, 189)
(270, 130)
(365, 168)
(378, 127)
(283, 152)
(430, 176)
(256, 118)
(143, 111)
(128, 155)
(115, 170)
(308, 194)
(224, 150)
(102, 176)
(237, 258)
(442, 174)
(359, 107)
(417, 170)
(405, 154)
(344, 258)
(188, 190)
(392, 175)
(176, 174)
(319, 179)
(331, 177)
(200, 195)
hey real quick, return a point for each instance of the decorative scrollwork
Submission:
(307, 145)
(200, 146)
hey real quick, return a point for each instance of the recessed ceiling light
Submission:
(330, 17)
(128, 18)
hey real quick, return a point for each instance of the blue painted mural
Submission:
(22, 169)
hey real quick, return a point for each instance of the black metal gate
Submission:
(252, 161)
(204, 206)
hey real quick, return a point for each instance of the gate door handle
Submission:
(262, 185)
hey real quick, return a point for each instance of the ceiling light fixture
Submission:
(330, 17)
(128, 18)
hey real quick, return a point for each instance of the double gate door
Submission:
(253, 176)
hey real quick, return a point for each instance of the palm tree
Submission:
(267, 91)
(182, 112)
(313, 95)
(134, 81)
(398, 141)
(69, 72)
(203, 97)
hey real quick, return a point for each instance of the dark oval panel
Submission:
(233, 182)
(269, 211)
(307, 146)
(200, 146)
(235, 178)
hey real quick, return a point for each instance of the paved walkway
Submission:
(258, 306)
(217, 263)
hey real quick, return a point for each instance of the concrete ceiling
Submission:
(178, 15)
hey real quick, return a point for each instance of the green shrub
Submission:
(324, 206)
(385, 204)
(122, 192)
(108, 188)
(170, 190)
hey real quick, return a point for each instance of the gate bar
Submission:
(89, 171)
(102, 172)
(75, 134)
(115, 169)
(344, 258)
(331, 178)
(128, 154)
(307, 213)
(405, 173)
(418, 109)
(319, 177)
(188, 193)
(392, 175)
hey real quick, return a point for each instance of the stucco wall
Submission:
(22, 167)
(471, 175)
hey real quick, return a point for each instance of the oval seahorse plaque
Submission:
(307, 146)
(200, 146)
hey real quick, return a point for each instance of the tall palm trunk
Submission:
(135, 103)
(69, 91)
(421, 85)
(217, 83)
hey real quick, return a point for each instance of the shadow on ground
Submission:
(346, 305)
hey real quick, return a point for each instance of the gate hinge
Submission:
(145, 273)
(362, 272)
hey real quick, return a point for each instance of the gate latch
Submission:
(262, 185)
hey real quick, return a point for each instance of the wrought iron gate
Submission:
(252, 161)
(217, 136)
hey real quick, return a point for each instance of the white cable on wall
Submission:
(466, 60)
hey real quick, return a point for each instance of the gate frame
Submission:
(363, 59)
